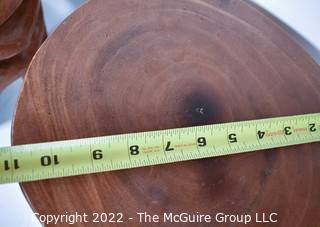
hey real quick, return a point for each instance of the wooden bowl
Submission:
(12, 68)
(128, 66)
(7, 8)
(16, 32)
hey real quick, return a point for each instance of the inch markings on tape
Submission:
(75, 157)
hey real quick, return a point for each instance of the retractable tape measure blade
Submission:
(74, 157)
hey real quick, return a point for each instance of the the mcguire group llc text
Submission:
(166, 217)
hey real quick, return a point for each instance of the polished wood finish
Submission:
(12, 68)
(7, 8)
(127, 66)
(16, 32)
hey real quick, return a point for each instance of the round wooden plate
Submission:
(127, 66)
(12, 68)
(7, 8)
(16, 32)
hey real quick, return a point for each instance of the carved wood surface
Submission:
(7, 8)
(127, 66)
(16, 32)
(12, 68)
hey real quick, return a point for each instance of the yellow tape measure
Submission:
(99, 154)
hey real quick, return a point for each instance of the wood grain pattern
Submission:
(16, 32)
(127, 66)
(12, 68)
(7, 8)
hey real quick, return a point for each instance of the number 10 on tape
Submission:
(99, 154)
